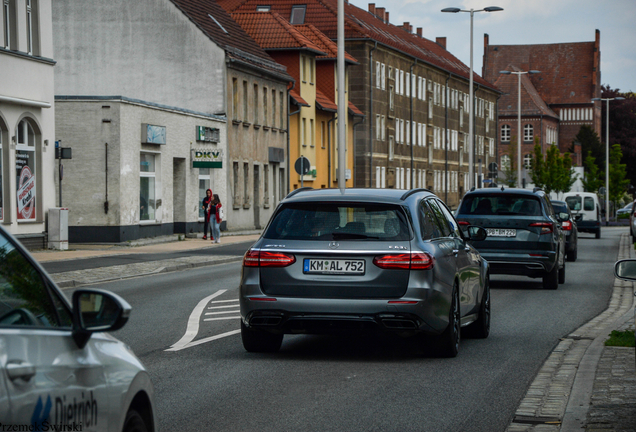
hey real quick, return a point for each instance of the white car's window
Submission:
(24, 298)
(588, 203)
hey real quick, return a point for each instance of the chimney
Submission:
(372, 8)
(441, 41)
(386, 17)
(379, 12)
(419, 31)
(406, 26)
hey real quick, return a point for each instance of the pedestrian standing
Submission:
(207, 212)
(216, 217)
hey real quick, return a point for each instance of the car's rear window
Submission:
(574, 202)
(500, 205)
(334, 221)
(560, 208)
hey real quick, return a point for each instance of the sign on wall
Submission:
(25, 185)
(151, 134)
(203, 158)
(208, 134)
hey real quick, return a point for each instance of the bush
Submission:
(621, 339)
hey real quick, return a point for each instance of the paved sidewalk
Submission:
(583, 385)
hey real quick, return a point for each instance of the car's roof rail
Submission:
(294, 192)
(411, 192)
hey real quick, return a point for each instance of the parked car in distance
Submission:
(569, 228)
(385, 260)
(625, 211)
(524, 233)
(586, 210)
(59, 370)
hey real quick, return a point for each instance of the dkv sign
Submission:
(26, 194)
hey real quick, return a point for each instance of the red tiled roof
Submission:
(353, 110)
(324, 103)
(362, 25)
(271, 31)
(217, 24)
(296, 97)
(531, 101)
(326, 44)
(567, 75)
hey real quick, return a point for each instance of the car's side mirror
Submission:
(97, 311)
(625, 269)
(563, 217)
(476, 233)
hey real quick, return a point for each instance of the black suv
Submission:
(524, 233)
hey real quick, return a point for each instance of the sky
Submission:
(525, 22)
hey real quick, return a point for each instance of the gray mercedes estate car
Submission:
(364, 259)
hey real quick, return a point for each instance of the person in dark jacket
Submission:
(215, 218)
(207, 213)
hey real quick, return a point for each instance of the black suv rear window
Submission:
(502, 205)
(334, 221)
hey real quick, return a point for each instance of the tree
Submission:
(509, 170)
(566, 175)
(590, 145)
(538, 173)
(554, 173)
(591, 180)
(617, 173)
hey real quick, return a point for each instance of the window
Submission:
(377, 75)
(528, 132)
(256, 104)
(266, 184)
(273, 107)
(245, 103)
(505, 133)
(391, 98)
(204, 185)
(265, 114)
(311, 71)
(383, 127)
(246, 178)
(323, 134)
(235, 100)
(397, 131)
(147, 184)
(383, 76)
(263, 8)
(407, 79)
(391, 147)
(29, 25)
(505, 162)
(303, 131)
(401, 82)
(377, 127)
(25, 172)
(312, 133)
(6, 9)
(298, 14)
(235, 175)
(527, 161)
(282, 110)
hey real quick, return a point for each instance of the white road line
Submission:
(222, 312)
(224, 301)
(222, 307)
(222, 318)
(210, 339)
(193, 323)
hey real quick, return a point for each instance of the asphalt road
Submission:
(318, 383)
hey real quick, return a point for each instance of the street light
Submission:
(607, 153)
(519, 73)
(471, 157)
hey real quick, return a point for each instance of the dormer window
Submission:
(298, 14)
(263, 8)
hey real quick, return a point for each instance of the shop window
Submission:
(147, 187)
(25, 171)
(204, 185)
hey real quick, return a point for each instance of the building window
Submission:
(298, 14)
(256, 104)
(246, 183)
(312, 133)
(323, 134)
(147, 187)
(303, 129)
(263, 8)
(377, 75)
(245, 103)
(505, 133)
(391, 97)
(273, 107)
(29, 25)
(391, 147)
(6, 21)
(265, 114)
(282, 110)
(527, 161)
(505, 162)
(266, 184)
(383, 127)
(528, 132)
(235, 99)
(204, 185)
(235, 174)
(383, 69)
(377, 127)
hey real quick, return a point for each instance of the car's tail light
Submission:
(463, 223)
(567, 226)
(546, 227)
(406, 261)
(256, 258)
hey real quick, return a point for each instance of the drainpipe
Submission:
(354, 141)
(411, 134)
(289, 114)
(329, 150)
(371, 114)
(446, 142)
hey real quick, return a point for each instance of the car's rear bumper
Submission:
(523, 264)
(588, 226)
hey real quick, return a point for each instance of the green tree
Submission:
(617, 173)
(566, 174)
(591, 180)
(538, 173)
(510, 170)
(554, 173)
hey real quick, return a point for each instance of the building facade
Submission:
(27, 125)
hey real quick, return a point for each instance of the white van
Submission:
(586, 211)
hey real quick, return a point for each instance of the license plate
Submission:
(333, 266)
(500, 232)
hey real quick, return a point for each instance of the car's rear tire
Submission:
(260, 341)
(480, 329)
(134, 422)
(551, 279)
(562, 274)
(448, 342)
(598, 233)
(572, 255)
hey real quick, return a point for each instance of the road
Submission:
(204, 379)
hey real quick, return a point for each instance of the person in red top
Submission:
(207, 212)
(215, 218)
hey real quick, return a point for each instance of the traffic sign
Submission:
(302, 165)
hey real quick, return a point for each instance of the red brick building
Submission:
(554, 103)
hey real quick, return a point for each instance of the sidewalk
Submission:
(584, 385)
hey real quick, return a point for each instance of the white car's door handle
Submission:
(20, 370)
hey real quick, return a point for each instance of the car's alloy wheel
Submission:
(449, 340)
(134, 422)
(598, 233)
(260, 341)
(481, 328)
(562, 274)
(551, 279)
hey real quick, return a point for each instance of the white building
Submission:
(27, 125)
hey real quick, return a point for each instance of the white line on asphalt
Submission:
(221, 312)
(211, 338)
(222, 307)
(222, 318)
(193, 323)
(224, 301)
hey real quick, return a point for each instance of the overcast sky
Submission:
(524, 22)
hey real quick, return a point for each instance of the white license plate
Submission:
(333, 266)
(500, 232)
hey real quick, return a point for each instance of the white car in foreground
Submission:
(59, 370)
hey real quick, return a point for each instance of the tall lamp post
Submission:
(519, 131)
(607, 152)
(471, 157)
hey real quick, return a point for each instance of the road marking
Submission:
(224, 301)
(211, 338)
(222, 318)
(193, 323)
(222, 307)
(220, 313)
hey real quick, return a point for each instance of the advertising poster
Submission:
(26, 185)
